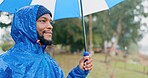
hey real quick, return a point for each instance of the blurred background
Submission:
(116, 38)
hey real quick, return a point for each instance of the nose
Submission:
(49, 26)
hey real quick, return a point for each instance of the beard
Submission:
(43, 40)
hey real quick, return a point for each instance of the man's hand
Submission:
(86, 63)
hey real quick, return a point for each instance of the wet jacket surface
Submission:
(27, 59)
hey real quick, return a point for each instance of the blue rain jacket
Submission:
(27, 59)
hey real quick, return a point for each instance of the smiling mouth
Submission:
(47, 32)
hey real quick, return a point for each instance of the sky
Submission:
(4, 19)
(1, 32)
(143, 45)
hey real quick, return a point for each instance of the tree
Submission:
(68, 32)
(119, 22)
(7, 40)
(127, 28)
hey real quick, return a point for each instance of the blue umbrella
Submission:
(63, 8)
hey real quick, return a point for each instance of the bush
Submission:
(6, 46)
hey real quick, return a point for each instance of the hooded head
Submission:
(24, 23)
(41, 11)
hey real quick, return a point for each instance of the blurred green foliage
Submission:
(6, 46)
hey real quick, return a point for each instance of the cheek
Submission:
(40, 30)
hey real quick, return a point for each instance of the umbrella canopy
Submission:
(63, 8)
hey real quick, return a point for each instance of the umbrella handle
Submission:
(86, 53)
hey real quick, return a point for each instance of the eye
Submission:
(42, 20)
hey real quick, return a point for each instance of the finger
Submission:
(86, 57)
(90, 68)
(89, 61)
(88, 65)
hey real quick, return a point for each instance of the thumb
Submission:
(82, 62)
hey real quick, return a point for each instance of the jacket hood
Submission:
(24, 24)
(27, 59)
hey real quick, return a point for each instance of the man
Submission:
(32, 32)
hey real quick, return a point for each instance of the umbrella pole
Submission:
(84, 35)
(83, 25)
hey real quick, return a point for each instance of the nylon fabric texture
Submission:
(27, 59)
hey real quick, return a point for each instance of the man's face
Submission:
(44, 29)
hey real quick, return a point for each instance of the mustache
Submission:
(44, 31)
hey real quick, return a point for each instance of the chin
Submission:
(49, 39)
(45, 40)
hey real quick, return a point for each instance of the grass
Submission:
(118, 69)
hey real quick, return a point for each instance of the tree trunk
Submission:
(90, 35)
(117, 33)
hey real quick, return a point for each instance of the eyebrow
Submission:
(46, 18)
